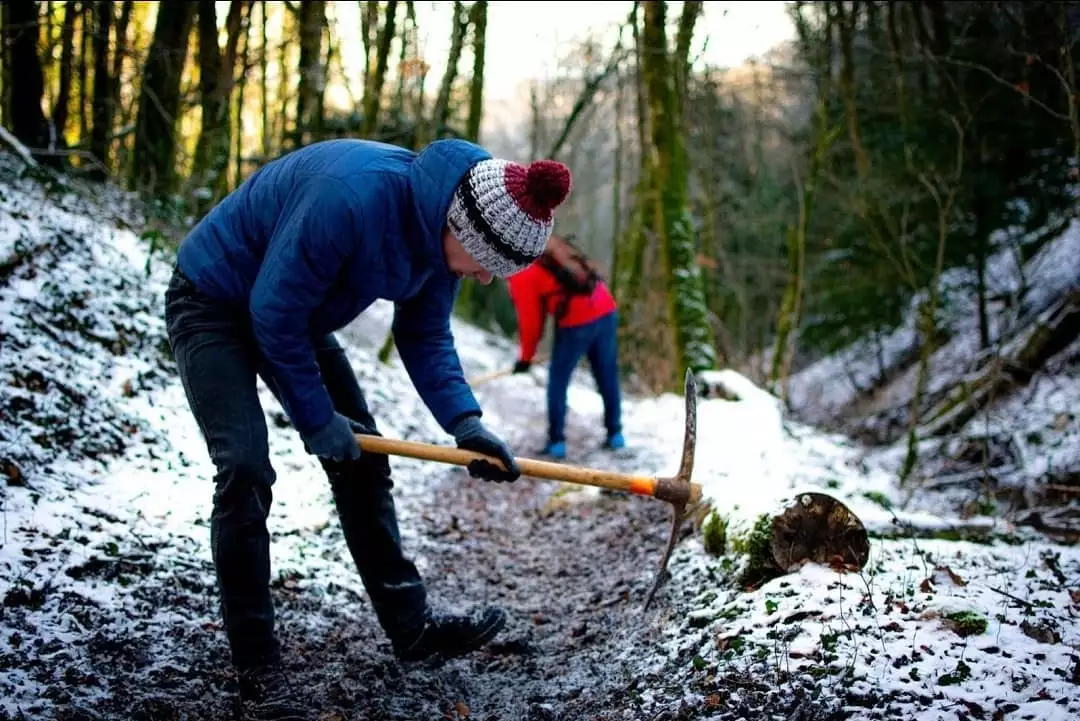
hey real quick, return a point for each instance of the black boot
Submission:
(267, 695)
(449, 635)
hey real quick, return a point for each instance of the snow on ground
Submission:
(108, 591)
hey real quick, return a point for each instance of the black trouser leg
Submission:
(218, 365)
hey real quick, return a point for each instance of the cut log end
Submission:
(817, 528)
(808, 527)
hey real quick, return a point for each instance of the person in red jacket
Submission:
(564, 284)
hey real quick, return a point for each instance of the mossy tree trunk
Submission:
(791, 307)
(626, 270)
(373, 85)
(669, 183)
(472, 294)
(478, 21)
(440, 114)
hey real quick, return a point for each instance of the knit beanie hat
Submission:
(502, 211)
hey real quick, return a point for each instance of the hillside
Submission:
(998, 426)
(108, 600)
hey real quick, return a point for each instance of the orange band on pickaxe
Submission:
(643, 486)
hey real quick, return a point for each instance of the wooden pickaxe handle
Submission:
(636, 484)
(480, 380)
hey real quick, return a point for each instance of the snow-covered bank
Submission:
(109, 607)
(1024, 437)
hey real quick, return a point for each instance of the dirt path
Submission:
(571, 576)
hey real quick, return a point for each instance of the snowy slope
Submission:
(1016, 295)
(1035, 428)
(107, 586)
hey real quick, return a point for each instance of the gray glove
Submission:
(335, 441)
(471, 434)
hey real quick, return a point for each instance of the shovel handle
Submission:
(638, 485)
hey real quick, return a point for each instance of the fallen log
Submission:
(1017, 364)
(806, 527)
(924, 526)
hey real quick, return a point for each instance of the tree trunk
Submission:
(441, 112)
(216, 72)
(473, 298)
(373, 88)
(790, 311)
(241, 58)
(312, 73)
(27, 84)
(264, 90)
(691, 12)
(369, 20)
(617, 175)
(67, 56)
(102, 101)
(626, 272)
(406, 57)
(670, 185)
(804, 527)
(928, 312)
(115, 75)
(478, 20)
(152, 167)
(84, 71)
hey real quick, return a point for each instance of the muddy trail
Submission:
(572, 579)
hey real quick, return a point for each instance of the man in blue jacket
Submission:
(295, 253)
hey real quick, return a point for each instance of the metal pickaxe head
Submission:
(678, 490)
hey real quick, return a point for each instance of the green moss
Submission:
(757, 548)
(959, 675)
(879, 498)
(387, 348)
(714, 534)
(967, 623)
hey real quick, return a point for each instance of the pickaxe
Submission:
(678, 490)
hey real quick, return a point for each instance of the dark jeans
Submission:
(596, 341)
(219, 363)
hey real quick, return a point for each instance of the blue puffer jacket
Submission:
(311, 239)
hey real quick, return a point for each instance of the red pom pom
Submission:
(548, 183)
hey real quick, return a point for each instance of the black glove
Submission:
(362, 428)
(334, 441)
(522, 366)
(471, 435)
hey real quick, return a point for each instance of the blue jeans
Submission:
(219, 362)
(597, 342)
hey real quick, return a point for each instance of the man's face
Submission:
(460, 262)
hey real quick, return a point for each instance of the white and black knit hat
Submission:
(502, 211)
